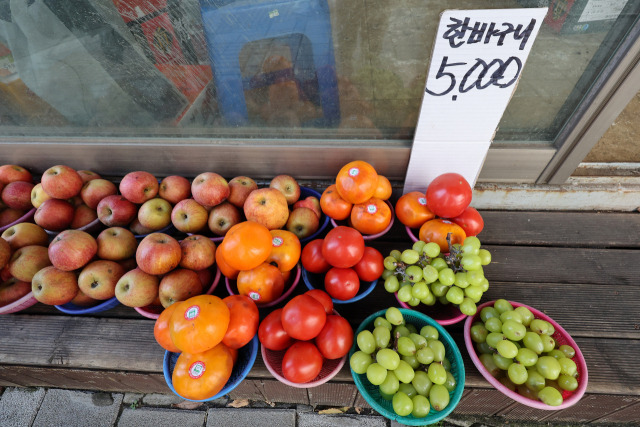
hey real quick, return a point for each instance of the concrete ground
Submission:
(40, 407)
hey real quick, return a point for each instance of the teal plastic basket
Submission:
(371, 393)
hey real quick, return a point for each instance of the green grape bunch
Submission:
(518, 349)
(409, 365)
(422, 274)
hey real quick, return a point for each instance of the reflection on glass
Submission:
(323, 69)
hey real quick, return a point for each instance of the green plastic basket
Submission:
(371, 393)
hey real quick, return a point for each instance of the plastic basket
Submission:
(25, 302)
(334, 223)
(244, 363)
(371, 393)
(154, 311)
(560, 335)
(24, 218)
(291, 284)
(316, 281)
(411, 234)
(444, 314)
(70, 308)
(273, 361)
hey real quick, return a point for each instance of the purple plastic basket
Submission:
(24, 218)
(25, 302)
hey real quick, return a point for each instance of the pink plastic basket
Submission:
(412, 236)
(25, 302)
(273, 362)
(561, 336)
(153, 312)
(24, 218)
(444, 314)
(289, 287)
(334, 223)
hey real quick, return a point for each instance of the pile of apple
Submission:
(15, 193)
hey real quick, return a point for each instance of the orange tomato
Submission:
(371, 217)
(199, 376)
(243, 324)
(246, 245)
(383, 190)
(412, 210)
(436, 230)
(357, 181)
(285, 251)
(199, 323)
(262, 284)
(333, 205)
(161, 329)
(225, 268)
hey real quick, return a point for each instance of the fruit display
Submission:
(16, 185)
(340, 263)
(407, 367)
(360, 196)
(305, 343)
(425, 275)
(526, 355)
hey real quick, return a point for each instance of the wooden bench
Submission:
(580, 268)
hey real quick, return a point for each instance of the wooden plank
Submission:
(359, 402)
(247, 389)
(275, 391)
(486, 402)
(592, 407)
(630, 414)
(577, 229)
(332, 394)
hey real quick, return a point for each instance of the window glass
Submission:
(316, 69)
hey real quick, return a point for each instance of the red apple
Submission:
(5, 274)
(128, 264)
(210, 189)
(174, 188)
(116, 211)
(76, 201)
(267, 206)
(61, 182)
(288, 186)
(223, 217)
(198, 252)
(310, 202)
(87, 175)
(11, 173)
(116, 244)
(8, 215)
(38, 195)
(179, 285)
(155, 214)
(95, 190)
(189, 216)
(17, 195)
(53, 286)
(303, 222)
(25, 234)
(6, 251)
(137, 288)
(12, 290)
(138, 229)
(158, 253)
(54, 215)
(206, 278)
(139, 186)
(239, 189)
(98, 279)
(83, 215)
(72, 249)
(27, 261)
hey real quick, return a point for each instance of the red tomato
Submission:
(448, 195)
(470, 220)
(436, 231)
(271, 333)
(324, 299)
(343, 247)
(342, 283)
(336, 338)
(412, 210)
(302, 362)
(371, 266)
(243, 323)
(303, 317)
(312, 259)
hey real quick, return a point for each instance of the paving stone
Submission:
(19, 406)
(160, 417)
(70, 408)
(251, 417)
(304, 408)
(130, 398)
(312, 419)
(160, 399)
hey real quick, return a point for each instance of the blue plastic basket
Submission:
(246, 359)
(371, 393)
(324, 219)
(71, 308)
(316, 281)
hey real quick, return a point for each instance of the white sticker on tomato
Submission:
(422, 201)
(192, 312)
(255, 296)
(372, 209)
(277, 241)
(354, 172)
(196, 370)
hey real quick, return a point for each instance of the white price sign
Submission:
(477, 60)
